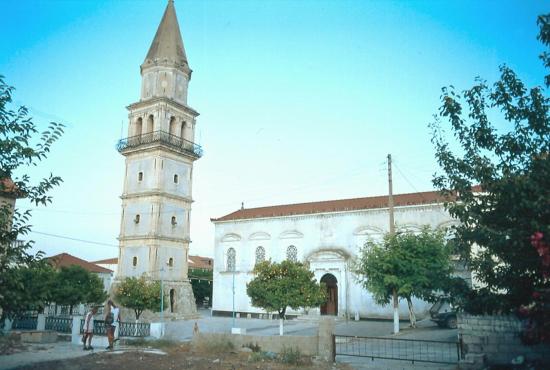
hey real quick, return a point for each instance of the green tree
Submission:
(21, 146)
(201, 282)
(405, 265)
(139, 294)
(510, 160)
(75, 285)
(29, 288)
(277, 286)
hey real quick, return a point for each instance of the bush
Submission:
(253, 346)
(290, 356)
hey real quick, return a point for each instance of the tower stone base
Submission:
(179, 304)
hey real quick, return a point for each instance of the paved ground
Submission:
(183, 330)
(41, 353)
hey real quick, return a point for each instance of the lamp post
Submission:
(233, 325)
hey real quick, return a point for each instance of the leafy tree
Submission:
(285, 284)
(201, 282)
(139, 294)
(29, 288)
(21, 145)
(510, 160)
(75, 285)
(405, 265)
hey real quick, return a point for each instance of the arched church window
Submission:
(175, 179)
(140, 176)
(170, 262)
(174, 222)
(292, 253)
(150, 123)
(260, 255)
(173, 126)
(138, 126)
(182, 130)
(231, 259)
(136, 219)
(134, 261)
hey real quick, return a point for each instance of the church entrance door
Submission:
(331, 306)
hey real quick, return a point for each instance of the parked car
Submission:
(443, 313)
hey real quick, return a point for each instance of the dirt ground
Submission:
(180, 356)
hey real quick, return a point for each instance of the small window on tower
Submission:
(136, 219)
(174, 222)
(175, 179)
(140, 176)
(171, 262)
(134, 261)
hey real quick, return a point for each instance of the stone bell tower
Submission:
(160, 151)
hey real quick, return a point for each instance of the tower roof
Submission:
(167, 46)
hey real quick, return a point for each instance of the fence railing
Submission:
(126, 329)
(413, 350)
(25, 323)
(161, 137)
(59, 324)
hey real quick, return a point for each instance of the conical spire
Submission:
(167, 46)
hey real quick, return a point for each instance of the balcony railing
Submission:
(160, 137)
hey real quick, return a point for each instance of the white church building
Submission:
(328, 235)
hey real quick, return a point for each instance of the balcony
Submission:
(160, 138)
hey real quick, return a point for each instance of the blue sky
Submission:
(299, 100)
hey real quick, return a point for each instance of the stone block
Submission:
(157, 329)
(238, 331)
(39, 336)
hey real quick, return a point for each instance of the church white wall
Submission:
(170, 168)
(330, 242)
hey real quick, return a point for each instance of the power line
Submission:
(74, 239)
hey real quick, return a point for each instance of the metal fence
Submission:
(413, 350)
(126, 329)
(25, 323)
(59, 324)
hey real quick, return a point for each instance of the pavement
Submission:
(183, 331)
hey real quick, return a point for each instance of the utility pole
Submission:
(390, 197)
(392, 233)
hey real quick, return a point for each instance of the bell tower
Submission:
(160, 151)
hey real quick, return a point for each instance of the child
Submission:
(89, 329)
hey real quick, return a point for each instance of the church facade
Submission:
(160, 151)
(328, 235)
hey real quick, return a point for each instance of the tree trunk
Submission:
(412, 316)
(281, 320)
(395, 312)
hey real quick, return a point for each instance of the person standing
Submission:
(89, 329)
(112, 323)
(109, 324)
(116, 321)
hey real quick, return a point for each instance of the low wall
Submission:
(320, 345)
(495, 340)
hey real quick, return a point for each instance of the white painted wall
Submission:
(329, 241)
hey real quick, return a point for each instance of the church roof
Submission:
(167, 46)
(340, 205)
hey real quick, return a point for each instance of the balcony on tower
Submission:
(159, 138)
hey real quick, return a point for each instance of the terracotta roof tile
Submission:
(428, 197)
(66, 260)
(199, 262)
(9, 189)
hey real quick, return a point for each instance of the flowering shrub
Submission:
(536, 316)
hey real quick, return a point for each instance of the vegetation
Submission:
(510, 160)
(201, 282)
(404, 266)
(290, 355)
(139, 294)
(21, 146)
(286, 284)
(74, 285)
